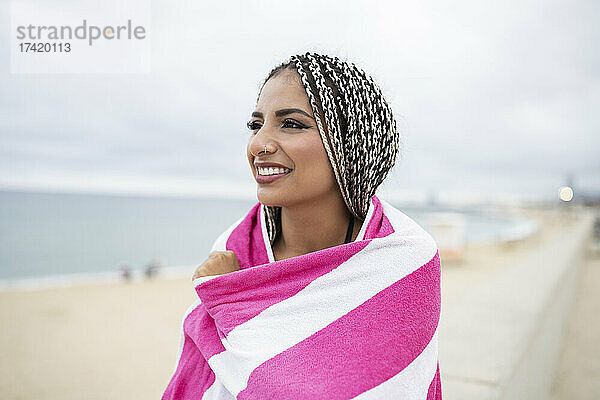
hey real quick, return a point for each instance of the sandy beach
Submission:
(119, 341)
(92, 342)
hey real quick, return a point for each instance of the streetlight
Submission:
(565, 193)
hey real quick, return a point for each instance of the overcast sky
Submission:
(491, 97)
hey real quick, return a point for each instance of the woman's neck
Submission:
(313, 226)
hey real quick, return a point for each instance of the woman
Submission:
(322, 140)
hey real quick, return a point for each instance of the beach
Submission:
(92, 342)
(118, 341)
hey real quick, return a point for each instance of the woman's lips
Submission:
(269, 178)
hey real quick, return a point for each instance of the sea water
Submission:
(56, 235)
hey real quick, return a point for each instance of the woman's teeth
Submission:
(272, 171)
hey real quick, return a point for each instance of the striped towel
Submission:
(358, 320)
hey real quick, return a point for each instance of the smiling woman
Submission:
(291, 127)
(321, 290)
(286, 134)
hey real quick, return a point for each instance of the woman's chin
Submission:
(269, 197)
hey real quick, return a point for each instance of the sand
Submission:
(92, 342)
(119, 341)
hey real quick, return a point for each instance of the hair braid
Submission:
(333, 134)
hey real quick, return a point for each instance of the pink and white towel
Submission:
(358, 320)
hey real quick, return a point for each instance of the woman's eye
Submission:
(290, 123)
(253, 125)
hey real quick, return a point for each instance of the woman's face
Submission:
(283, 120)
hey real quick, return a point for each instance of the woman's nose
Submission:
(262, 142)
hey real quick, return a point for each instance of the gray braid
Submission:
(356, 125)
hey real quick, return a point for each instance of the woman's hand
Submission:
(218, 263)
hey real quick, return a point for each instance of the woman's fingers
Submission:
(218, 263)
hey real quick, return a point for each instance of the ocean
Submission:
(66, 235)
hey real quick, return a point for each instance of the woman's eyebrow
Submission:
(287, 111)
(282, 112)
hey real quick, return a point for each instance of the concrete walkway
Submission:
(578, 370)
(504, 312)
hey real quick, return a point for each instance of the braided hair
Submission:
(356, 124)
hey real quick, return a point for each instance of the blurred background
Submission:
(113, 187)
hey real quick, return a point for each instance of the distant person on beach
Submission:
(125, 271)
(153, 267)
(150, 271)
(321, 290)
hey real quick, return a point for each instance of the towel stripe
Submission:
(378, 225)
(198, 376)
(360, 350)
(435, 388)
(232, 301)
(413, 382)
(217, 391)
(201, 327)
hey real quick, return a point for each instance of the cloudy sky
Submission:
(493, 98)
